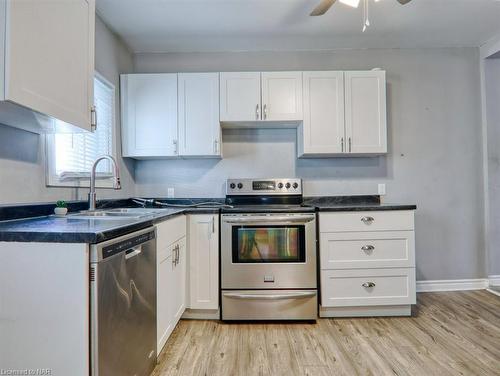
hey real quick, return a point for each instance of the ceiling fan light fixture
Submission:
(351, 3)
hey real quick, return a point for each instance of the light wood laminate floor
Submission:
(450, 333)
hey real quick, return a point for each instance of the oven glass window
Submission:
(257, 244)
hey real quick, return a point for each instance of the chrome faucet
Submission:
(116, 177)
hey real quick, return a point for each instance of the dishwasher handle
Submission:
(132, 252)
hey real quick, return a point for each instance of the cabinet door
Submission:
(165, 302)
(240, 96)
(198, 103)
(282, 96)
(203, 261)
(49, 59)
(180, 281)
(149, 115)
(322, 131)
(365, 112)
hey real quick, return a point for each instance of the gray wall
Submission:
(22, 154)
(435, 159)
(492, 91)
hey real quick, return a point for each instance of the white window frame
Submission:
(53, 180)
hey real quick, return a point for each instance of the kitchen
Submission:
(186, 96)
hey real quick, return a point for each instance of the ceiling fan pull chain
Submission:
(367, 22)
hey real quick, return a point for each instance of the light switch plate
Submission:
(381, 189)
(170, 193)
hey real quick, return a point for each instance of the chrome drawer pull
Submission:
(368, 284)
(367, 220)
(368, 248)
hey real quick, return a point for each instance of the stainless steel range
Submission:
(268, 252)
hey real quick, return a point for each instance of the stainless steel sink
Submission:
(116, 214)
(132, 211)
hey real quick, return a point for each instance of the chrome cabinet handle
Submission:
(175, 146)
(265, 111)
(178, 254)
(257, 112)
(213, 224)
(93, 119)
(368, 284)
(367, 220)
(368, 248)
(350, 145)
(216, 146)
(342, 144)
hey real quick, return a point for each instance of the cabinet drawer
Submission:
(169, 231)
(383, 249)
(367, 221)
(367, 287)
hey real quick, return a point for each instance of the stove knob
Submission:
(287, 185)
(240, 185)
(232, 185)
(280, 185)
(295, 185)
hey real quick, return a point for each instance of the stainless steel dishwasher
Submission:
(123, 305)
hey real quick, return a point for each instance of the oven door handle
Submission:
(296, 295)
(270, 219)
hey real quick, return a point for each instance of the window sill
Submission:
(54, 182)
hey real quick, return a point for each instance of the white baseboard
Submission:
(452, 285)
(365, 311)
(493, 292)
(201, 314)
(494, 280)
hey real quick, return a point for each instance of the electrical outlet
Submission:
(170, 193)
(381, 189)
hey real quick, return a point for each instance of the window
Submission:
(70, 156)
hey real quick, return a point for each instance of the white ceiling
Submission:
(263, 25)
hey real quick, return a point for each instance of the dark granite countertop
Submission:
(353, 203)
(70, 229)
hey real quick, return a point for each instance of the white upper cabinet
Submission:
(47, 63)
(149, 115)
(198, 106)
(240, 96)
(365, 112)
(254, 98)
(322, 131)
(282, 96)
(344, 114)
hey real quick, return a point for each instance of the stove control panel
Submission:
(282, 186)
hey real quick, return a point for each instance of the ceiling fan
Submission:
(324, 5)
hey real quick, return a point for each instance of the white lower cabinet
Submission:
(368, 287)
(171, 277)
(367, 263)
(203, 243)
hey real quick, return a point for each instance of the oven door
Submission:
(268, 251)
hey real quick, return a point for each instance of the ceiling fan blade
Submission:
(403, 2)
(322, 7)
